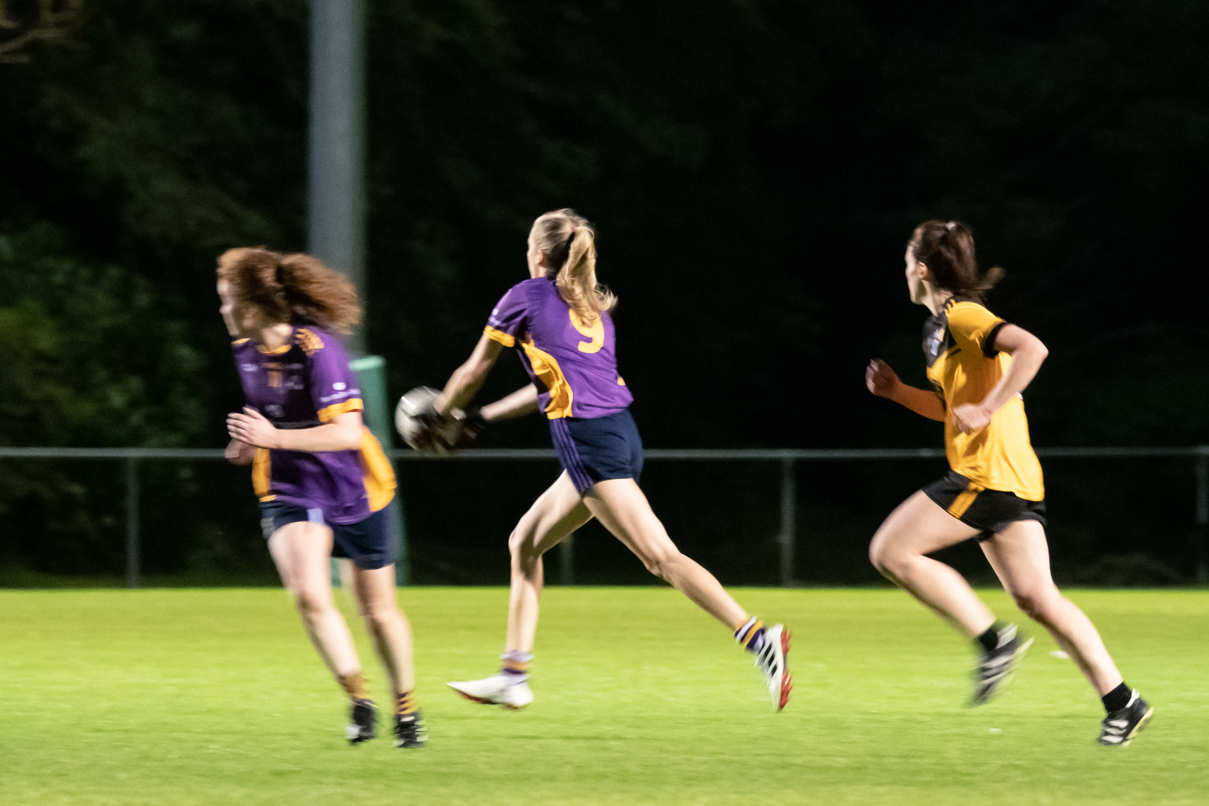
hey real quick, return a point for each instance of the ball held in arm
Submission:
(424, 430)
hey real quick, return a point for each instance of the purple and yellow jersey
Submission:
(305, 383)
(574, 365)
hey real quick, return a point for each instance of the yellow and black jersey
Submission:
(963, 366)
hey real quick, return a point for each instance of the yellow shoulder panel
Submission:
(308, 340)
(500, 336)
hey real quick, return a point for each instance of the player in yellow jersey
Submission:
(978, 365)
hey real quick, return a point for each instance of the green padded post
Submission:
(379, 417)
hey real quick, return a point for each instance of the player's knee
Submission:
(884, 558)
(520, 543)
(661, 563)
(1036, 604)
(379, 616)
(310, 601)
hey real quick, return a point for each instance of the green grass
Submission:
(214, 697)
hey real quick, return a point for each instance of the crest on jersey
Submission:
(937, 339)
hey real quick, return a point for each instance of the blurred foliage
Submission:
(26, 22)
(90, 359)
(754, 168)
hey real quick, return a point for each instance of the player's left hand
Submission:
(252, 427)
(971, 416)
(470, 426)
(239, 452)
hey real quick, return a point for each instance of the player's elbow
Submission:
(1036, 348)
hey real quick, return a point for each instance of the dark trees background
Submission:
(754, 169)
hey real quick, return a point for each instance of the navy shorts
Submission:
(366, 543)
(598, 449)
(989, 511)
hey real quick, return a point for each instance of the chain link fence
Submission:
(1118, 516)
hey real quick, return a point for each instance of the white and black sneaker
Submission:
(771, 660)
(510, 692)
(1119, 727)
(996, 667)
(361, 722)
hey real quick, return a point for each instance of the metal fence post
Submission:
(788, 520)
(1201, 554)
(132, 522)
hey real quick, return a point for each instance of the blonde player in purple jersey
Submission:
(559, 322)
(321, 476)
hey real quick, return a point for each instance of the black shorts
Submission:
(989, 511)
(366, 543)
(598, 449)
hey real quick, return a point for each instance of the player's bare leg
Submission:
(374, 591)
(915, 529)
(1020, 557)
(623, 509)
(557, 513)
(377, 601)
(301, 552)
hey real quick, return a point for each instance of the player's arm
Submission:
(1028, 353)
(883, 382)
(342, 433)
(521, 402)
(468, 379)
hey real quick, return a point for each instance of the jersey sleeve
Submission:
(508, 319)
(973, 325)
(333, 386)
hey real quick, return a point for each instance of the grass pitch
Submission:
(215, 697)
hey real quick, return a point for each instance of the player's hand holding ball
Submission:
(426, 431)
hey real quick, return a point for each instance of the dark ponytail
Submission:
(947, 249)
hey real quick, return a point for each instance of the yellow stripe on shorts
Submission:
(963, 501)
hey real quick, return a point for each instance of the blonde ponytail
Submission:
(570, 244)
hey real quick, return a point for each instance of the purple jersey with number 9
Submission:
(573, 364)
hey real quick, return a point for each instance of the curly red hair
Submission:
(294, 288)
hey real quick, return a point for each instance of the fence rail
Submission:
(787, 458)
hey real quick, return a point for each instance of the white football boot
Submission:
(499, 689)
(771, 659)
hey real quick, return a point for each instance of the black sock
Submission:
(1118, 698)
(990, 638)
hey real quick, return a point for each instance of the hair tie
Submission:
(573, 228)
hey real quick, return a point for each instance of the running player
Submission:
(558, 320)
(321, 476)
(978, 365)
